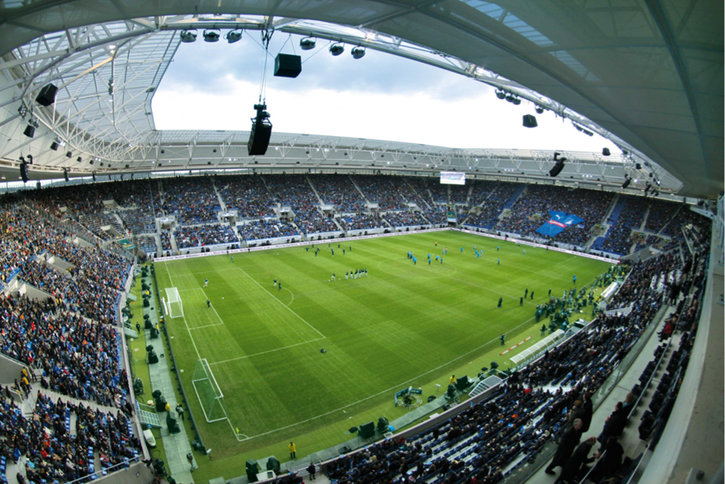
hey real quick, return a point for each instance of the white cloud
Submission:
(468, 115)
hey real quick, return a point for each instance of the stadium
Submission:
(268, 306)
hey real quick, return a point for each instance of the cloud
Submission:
(214, 86)
(203, 65)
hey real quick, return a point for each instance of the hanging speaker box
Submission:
(287, 65)
(46, 96)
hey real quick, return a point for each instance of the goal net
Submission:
(173, 301)
(208, 392)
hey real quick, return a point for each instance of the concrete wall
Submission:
(9, 369)
(137, 473)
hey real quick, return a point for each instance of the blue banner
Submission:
(557, 222)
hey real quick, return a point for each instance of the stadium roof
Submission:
(646, 74)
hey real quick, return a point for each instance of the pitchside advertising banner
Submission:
(557, 222)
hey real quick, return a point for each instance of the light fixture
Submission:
(337, 49)
(539, 109)
(211, 35)
(79, 159)
(54, 145)
(68, 154)
(513, 99)
(188, 36)
(307, 43)
(358, 52)
(605, 151)
(233, 36)
(29, 130)
(500, 93)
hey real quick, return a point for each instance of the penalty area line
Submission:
(221, 362)
(193, 343)
(382, 392)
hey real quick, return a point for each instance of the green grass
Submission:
(402, 325)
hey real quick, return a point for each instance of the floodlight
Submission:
(516, 101)
(307, 43)
(188, 36)
(233, 36)
(211, 35)
(500, 93)
(358, 52)
(539, 109)
(337, 49)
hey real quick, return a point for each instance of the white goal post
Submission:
(173, 300)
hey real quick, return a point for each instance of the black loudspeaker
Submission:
(259, 137)
(462, 383)
(287, 65)
(252, 470)
(556, 169)
(530, 121)
(367, 430)
(24, 172)
(54, 146)
(273, 465)
(46, 96)
(606, 152)
(29, 131)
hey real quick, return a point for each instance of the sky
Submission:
(381, 96)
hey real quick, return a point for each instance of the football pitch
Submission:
(309, 357)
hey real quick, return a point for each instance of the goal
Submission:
(175, 306)
(208, 392)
